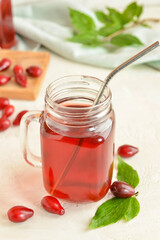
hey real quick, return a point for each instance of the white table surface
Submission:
(136, 100)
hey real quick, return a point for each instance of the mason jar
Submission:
(77, 139)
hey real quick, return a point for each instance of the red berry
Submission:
(5, 63)
(4, 79)
(34, 71)
(127, 151)
(95, 141)
(122, 189)
(8, 110)
(17, 120)
(52, 205)
(3, 102)
(19, 214)
(21, 79)
(4, 123)
(17, 69)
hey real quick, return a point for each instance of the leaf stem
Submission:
(135, 24)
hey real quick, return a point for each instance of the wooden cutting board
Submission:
(24, 58)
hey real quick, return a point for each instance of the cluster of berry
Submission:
(7, 110)
(19, 75)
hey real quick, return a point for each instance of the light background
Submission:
(136, 100)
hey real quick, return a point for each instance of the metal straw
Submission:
(96, 101)
(120, 67)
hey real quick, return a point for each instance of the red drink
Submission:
(77, 139)
(7, 33)
(89, 163)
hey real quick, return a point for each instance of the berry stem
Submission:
(136, 194)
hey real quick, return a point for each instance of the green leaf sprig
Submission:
(116, 208)
(113, 29)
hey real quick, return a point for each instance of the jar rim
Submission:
(60, 113)
(53, 104)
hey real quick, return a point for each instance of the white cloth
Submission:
(49, 24)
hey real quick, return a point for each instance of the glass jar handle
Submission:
(32, 159)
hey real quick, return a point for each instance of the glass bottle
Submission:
(7, 33)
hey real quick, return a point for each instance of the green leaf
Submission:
(109, 29)
(126, 173)
(123, 40)
(133, 209)
(115, 17)
(131, 12)
(114, 25)
(145, 25)
(109, 212)
(102, 17)
(82, 22)
(89, 39)
(139, 11)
